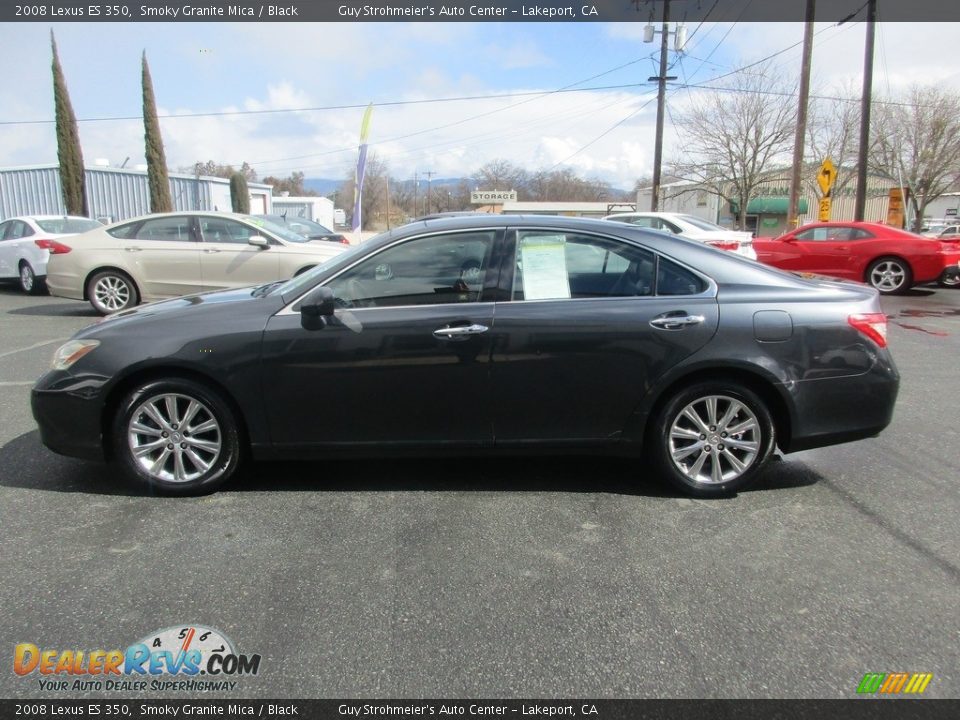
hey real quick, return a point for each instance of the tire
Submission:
(29, 282)
(111, 291)
(701, 462)
(152, 443)
(890, 275)
(953, 282)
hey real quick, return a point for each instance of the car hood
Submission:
(209, 303)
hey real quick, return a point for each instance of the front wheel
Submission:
(890, 275)
(711, 439)
(178, 436)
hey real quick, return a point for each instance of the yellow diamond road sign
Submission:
(826, 176)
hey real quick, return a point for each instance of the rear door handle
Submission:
(459, 332)
(132, 249)
(676, 322)
(211, 250)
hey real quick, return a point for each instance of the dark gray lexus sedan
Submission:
(483, 334)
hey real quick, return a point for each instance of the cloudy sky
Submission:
(498, 83)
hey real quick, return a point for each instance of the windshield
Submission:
(700, 223)
(278, 230)
(67, 225)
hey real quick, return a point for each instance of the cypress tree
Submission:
(239, 193)
(68, 142)
(160, 200)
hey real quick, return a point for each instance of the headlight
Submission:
(68, 353)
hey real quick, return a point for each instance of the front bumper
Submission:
(68, 411)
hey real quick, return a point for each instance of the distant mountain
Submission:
(324, 186)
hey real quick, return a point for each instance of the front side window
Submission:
(221, 230)
(436, 269)
(558, 265)
(167, 228)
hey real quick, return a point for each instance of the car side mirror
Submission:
(316, 307)
(259, 241)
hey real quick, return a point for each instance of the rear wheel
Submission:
(949, 282)
(29, 282)
(890, 275)
(178, 436)
(711, 439)
(111, 291)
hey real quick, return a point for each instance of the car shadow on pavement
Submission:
(25, 463)
(73, 309)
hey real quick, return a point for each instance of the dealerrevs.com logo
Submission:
(185, 657)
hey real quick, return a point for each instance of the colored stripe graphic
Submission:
(894, 683)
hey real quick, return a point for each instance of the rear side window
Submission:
(557, 265)
(168, 228)
(673, 279)
(123, 231)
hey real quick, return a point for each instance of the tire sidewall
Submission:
(32, 290)
(230, 454)
(668, 414)
(134, 293)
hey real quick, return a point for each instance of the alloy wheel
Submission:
(174, 437)
(888, 276)
(112, 293)
(714, 439)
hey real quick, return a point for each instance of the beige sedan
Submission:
(171, 254)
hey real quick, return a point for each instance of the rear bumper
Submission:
(835, 410)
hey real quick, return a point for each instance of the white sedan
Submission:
(26, 244)
(167, 255)
(690, 226)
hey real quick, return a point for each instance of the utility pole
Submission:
(861, 199)
(679, 40)
(429, 174)
(799, 139)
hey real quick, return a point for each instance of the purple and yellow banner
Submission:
(361, 169)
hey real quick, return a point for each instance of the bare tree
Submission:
(501, 175)
(917, 145)
(732, 137)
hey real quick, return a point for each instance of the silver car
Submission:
(172, 254)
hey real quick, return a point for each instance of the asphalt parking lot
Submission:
(504, 578)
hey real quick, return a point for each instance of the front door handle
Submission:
(676, 322)
(459, 332)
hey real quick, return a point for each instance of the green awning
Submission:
(776, 205)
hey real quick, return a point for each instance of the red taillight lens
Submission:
(344, 241)
(873, 325)
(53, 246)
(724, 244)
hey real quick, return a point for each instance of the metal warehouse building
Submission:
(115, 193)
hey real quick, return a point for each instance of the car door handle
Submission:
(676, 322)
(211, 250)
(133, 249)
(459, 332)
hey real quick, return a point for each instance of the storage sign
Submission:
(494, 197)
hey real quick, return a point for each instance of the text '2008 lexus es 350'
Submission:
(483, 334)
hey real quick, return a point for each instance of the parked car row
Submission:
(167, 255)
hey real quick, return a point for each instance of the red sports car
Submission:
(889, 259)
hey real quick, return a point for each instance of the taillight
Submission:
(873, 325)
(724, 244)
(53, 246)
(344, 241)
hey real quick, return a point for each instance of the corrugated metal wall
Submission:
(112, 193)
